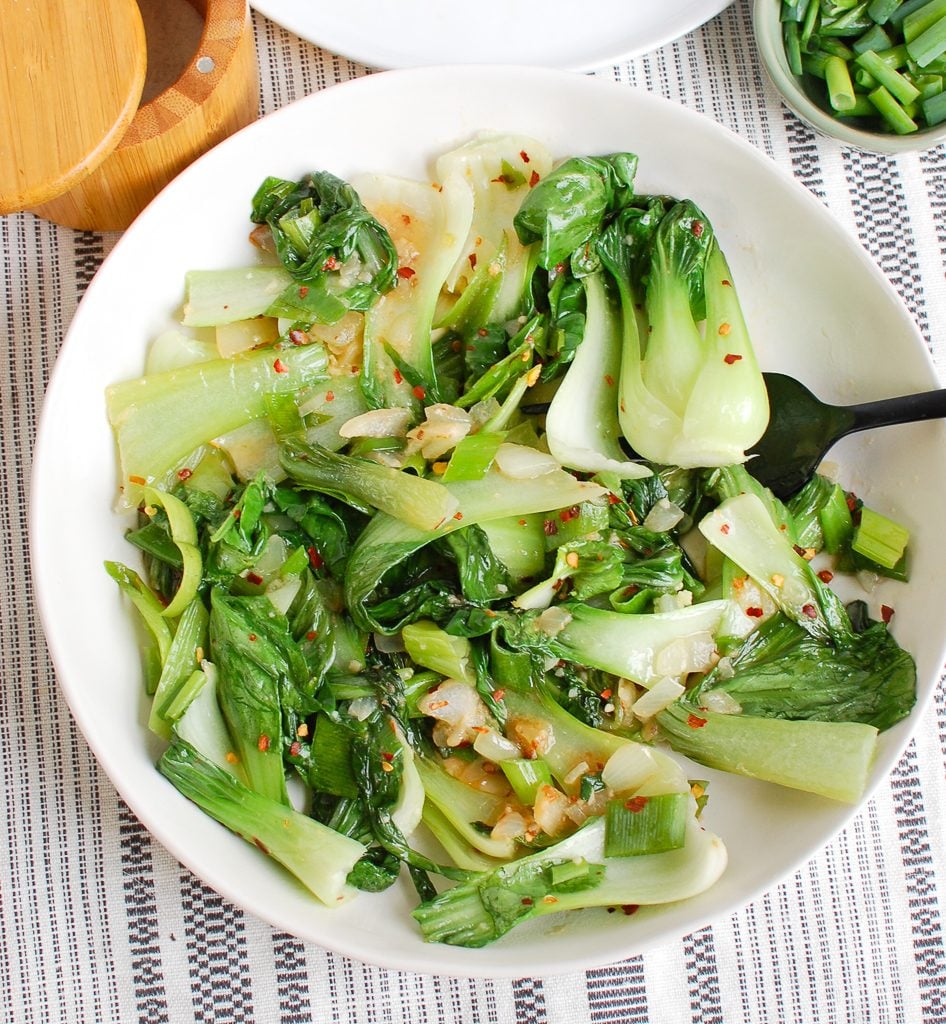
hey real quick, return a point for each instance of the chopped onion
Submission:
(553, 620)
(511, 825)
(693, 653)
(522, 463)
(533, 736)
(442, 430)
(673, 602)
(459, 712)
(576, 773)
(485, 777)
(377, 423)
(361, 707)
(661, 695)
(495, 747)
(663, 516)
(550, 810)
(282, 592)
(721, 702)
(628, 767)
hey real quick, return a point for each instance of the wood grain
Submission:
(201, 109)
(71, 75)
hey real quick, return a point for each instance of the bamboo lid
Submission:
(71, 76)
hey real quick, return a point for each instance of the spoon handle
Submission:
(928, 405)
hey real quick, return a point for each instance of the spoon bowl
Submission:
(802, 429)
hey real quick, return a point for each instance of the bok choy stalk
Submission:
(689, 396)
(479, 911)
(582, 425)
(424, 504)
(339, 256)
(625, 645)
(160, 419)
(319, 857)
(429, 226)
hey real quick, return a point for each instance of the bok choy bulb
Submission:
(691, 395)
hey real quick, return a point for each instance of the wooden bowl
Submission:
(217, 94)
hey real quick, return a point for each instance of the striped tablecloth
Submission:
(98, 923)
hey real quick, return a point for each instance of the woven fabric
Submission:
(99, 924)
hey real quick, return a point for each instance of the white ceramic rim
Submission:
(150, 797)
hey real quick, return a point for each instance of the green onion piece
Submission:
(836, 523)
(792, 39)
(880, 539)
(430, 646)
(862, 108)
(473, 456)
(569, 871)
(891, 111)
(192, 686)
(795, 10)
(852, 23)
(815, 64)
(837, 48)
(645, 824)
(809, 25)
(904, 10)
(294, 563)
(896, 56)
(865, 80)
(923, 18)
(893, 81)
(838, 81)
(875, 38)
(934, 109)
(331, 770)
(526, 777)
(929, 85)
(931, 44)
(881, 10)
(570, 524)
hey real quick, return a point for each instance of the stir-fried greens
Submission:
(447, 537)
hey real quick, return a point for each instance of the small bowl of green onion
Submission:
(869, 73)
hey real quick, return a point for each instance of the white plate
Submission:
(555, 33)
(816, 306)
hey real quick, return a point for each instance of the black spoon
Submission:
(802, 428)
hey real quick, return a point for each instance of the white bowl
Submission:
(815, 303)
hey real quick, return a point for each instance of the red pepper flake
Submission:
(236, 513)
(755, 613)
(725, 329)
(523, 156)
(695, 722)
(523, 522)
(810, 611)
(295, 748)
(613, 499)
(137, 480)
(636, 804)
(457, 515)
(329, 396)
(262, 744)
(280, 367)
(418, 392)
(730, 357)
(387, 755)
(631, 590)
(406, 272)
(261, 845)
(533, 179)
(303, 291)
(826, 575)
(605, 695)
(498, 694)
(567, 514)
(331, 264)
(559, 268)
(724, 529)
(472, 259)
(886, 613)
(298, 337)
(252, 637)
(397, 376)
(311, 635)
(550, 527)
(697, 228)
(725, 283)
(630, 908)
(315, 559)
(456, 345)
(185, 473)
(609, 380)
(252, 577)
(851, 502)
(526, 901)
(405, 219)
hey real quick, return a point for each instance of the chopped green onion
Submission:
(875, 38)
(836, 523)
(891, 111)
(922, 19)
(934, 109)
(893, 81)
(881, 10)
(526, 777)
(838, 80)
(473, 456)
(925, 48)
(645, 824)
(880, 539)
